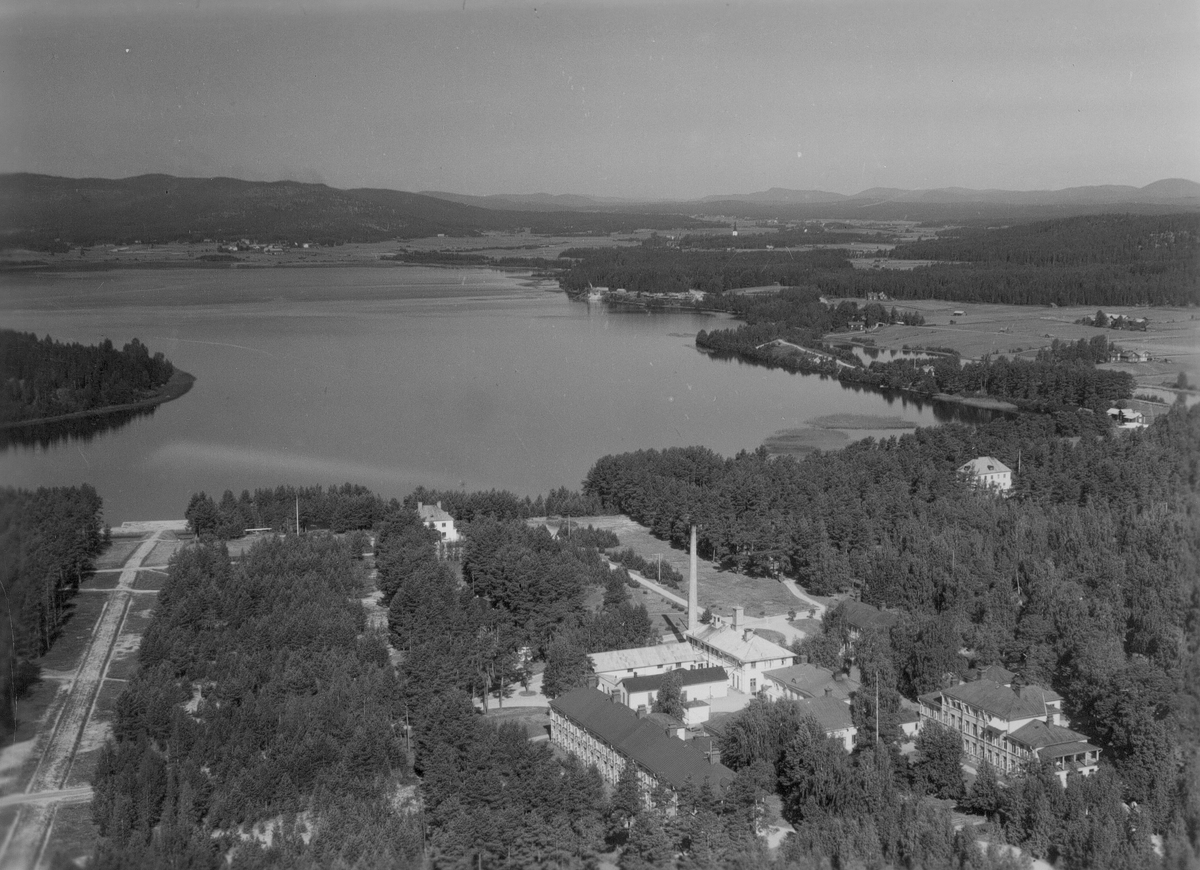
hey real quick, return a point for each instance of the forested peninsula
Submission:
(44, 380)
(1092, 260)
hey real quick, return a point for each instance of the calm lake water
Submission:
(394, 377)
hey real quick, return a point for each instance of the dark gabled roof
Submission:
(812, 680)
(1051, 741)
(995, 700)
(864, 616)
(997, 674)
(603, 715)
(693, 677)
(643, 740)
(832, 714)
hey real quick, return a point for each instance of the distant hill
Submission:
(36, 210)
(43, 211)
(950, 204)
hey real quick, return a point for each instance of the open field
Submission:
(720, 590)
(182, 254)
(1021, 330)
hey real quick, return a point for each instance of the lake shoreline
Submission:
(178, 385)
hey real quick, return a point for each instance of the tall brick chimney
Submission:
(693, 594)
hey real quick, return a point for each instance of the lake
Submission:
(395, 377)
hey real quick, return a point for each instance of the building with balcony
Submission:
(1011, 728)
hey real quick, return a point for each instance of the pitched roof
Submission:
(997, 674)
(995, 700)
(983, 465)
(742, 645)
(1036, 694)
(864, 616)
(433, 512)
(1051, 741)
(688, 677)
(659, 656)
(812, 680)
(832, 714)
(643, 740)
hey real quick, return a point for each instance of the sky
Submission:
(652, 99)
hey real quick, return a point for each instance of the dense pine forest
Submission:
(1084, 579)
(1095, 260)
(46, 378)
(353, 506)
(264, 698)
(48, 539)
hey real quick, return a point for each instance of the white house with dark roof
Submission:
(615, 666)
(1009, 727)
(696, 684)
(437, 519)
(834, 717)
(987, 472)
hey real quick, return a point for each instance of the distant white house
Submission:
(987, 472)
(1127, 418)
(437, 519)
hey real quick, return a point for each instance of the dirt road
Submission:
(24, 844)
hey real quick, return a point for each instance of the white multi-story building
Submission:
(987, 472)
(1010, 728)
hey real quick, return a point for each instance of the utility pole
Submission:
(877, 706)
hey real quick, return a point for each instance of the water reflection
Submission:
(82, 429)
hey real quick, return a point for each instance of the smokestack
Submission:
(739, 617)
(693, 594)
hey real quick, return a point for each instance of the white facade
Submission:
(987, 472)
(437, 519)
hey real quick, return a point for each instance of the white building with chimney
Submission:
(437, 519)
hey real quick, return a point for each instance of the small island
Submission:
(47, 381)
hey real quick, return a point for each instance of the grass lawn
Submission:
(720, 590)
(154, 580)
(117, 553)
(74, 836)
(533, 719)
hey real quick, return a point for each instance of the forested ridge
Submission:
(1152, 243)
(1095, 260)
(46, 378)
(352, 506)
(48, 538)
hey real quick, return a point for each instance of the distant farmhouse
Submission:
(1010, 727)
(987, 472)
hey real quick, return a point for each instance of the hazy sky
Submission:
(609, 97)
